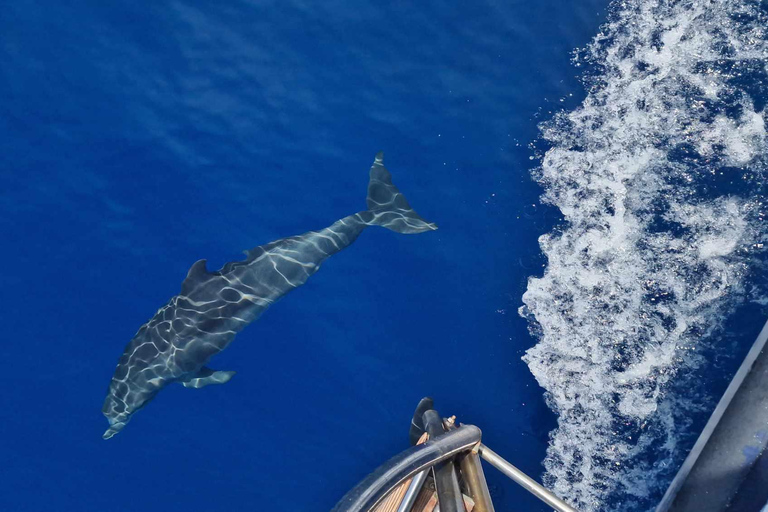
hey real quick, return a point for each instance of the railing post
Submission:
(414, 487)
(449, 495)
(472, 471)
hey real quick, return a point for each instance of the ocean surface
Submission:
(597, 273)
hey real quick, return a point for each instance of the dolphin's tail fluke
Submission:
(387, 206)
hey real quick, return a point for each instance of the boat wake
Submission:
(659, 175)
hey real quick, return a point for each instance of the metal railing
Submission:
(446, 454)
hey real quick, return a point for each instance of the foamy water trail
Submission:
(659, 174)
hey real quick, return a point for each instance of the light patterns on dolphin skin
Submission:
(177, 343)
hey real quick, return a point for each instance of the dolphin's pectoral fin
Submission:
(205, 377)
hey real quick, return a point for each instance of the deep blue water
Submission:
(138, 138)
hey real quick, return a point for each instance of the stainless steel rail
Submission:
(442, 453)
(413, 491)
(371, 491)
(472, 471)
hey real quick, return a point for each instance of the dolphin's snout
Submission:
(112, 430)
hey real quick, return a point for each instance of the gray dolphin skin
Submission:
(202, 320)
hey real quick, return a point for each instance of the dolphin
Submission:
(201, 321)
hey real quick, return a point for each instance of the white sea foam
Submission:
(659, 176)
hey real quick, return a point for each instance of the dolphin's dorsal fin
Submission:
(196, 274)
(207, 376)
